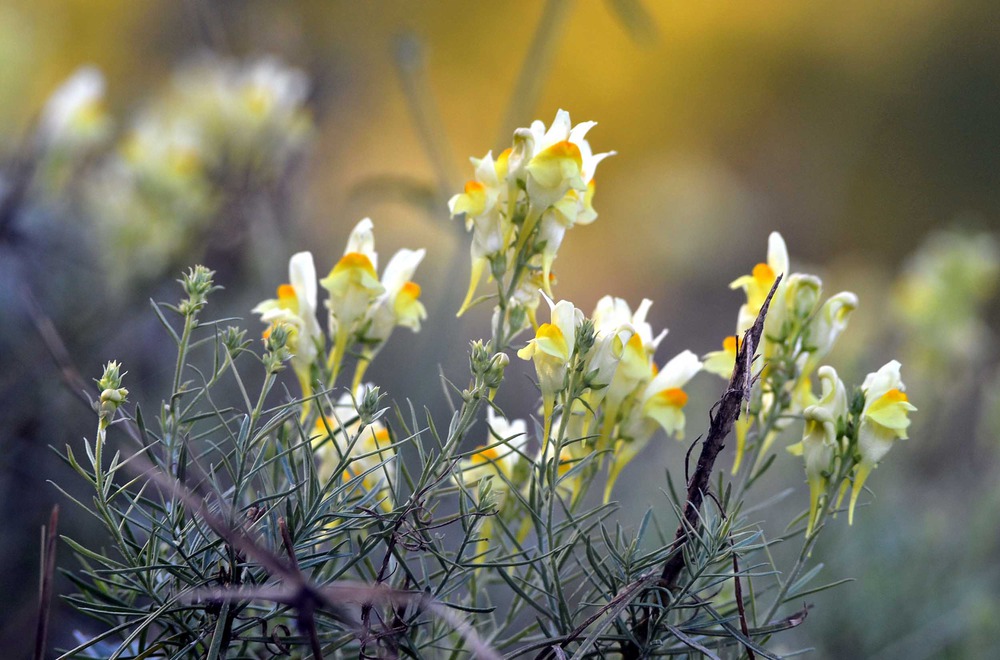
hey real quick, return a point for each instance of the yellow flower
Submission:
(74, 116)
(368, 463)
(660, 405)
(398, 304)
(493, 459)
(551, 350)
(819, 438)
(884, 419)
(829, 323)
(484, 203)
(295, 305)
(759, 282)
(721, 363)
(620, 334)
(353, 286)
(560, 163)
(664, 400)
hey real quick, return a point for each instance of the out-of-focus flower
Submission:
(295, 305)
(939, 300)
(250, 115)
(492, 459)
(819, 438)
(366, 454)
(884, 419)
(74, 117)
(154, 199)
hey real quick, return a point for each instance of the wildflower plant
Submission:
(334, 522)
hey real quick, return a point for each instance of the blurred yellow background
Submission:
(855, 128)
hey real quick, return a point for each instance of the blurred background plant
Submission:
(857, 130)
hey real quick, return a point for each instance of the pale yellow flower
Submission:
(353, 286)
(295, 305)
(551, 351)
(884, 420)
(721, 363)
(368, 463)
(819, 438)
(74, 115)
(499, 457)
(758, 283)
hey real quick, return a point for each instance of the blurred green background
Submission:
(867, 133)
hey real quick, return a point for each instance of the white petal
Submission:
(777, 254)
(675, 373)
(400, 269)
(362, 240)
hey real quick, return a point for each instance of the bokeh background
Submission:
(867, 133)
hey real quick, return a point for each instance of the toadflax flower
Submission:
(484, 204)
(819, 438)
(758, 283)
(398, 304)
(557, 175)
(551, 350)
(660, 404)
(884, 419)
(537, 189)
(365, 454)
(499, 457)
(295, 305)
(353, 286)
(74, 116)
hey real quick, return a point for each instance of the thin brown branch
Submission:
(721, 421)
(739, 599)
(48, 569)
(75, 383)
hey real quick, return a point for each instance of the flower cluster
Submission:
(799, 332)
(842, 441)
(940, 298)
(219, 125)
(325, 477)
(362, 309)
(519, 206)
(602, 371)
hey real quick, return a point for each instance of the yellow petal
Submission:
(890, 410)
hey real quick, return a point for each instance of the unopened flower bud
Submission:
(233, 339)
(494, 373)
(479, 358)
(197, 284)
(112, 378)
(368, 405)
